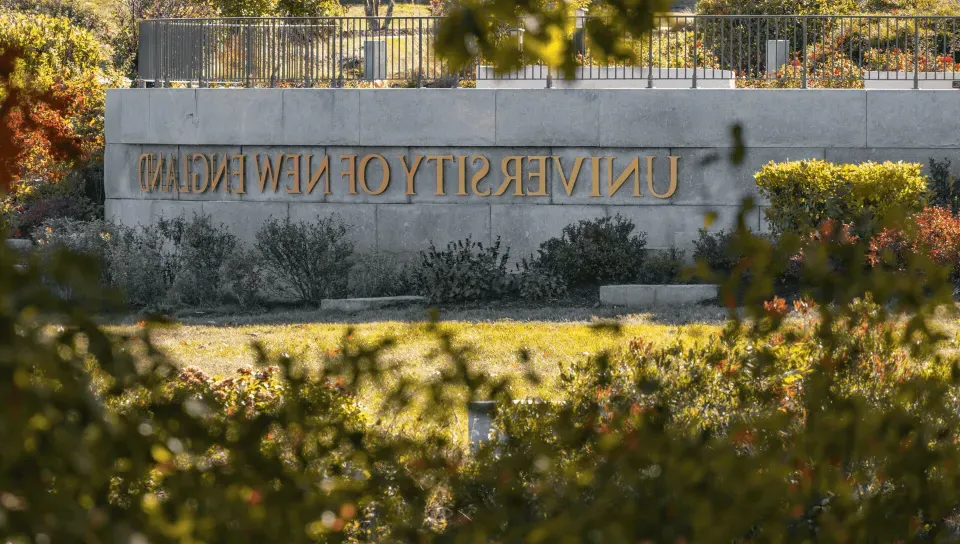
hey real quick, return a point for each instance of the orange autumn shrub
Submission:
(933, 232)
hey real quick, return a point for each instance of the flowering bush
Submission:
(934, 233)
(898, 60)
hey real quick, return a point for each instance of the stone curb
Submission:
(19, 244)
(650, 295)
(361, 304)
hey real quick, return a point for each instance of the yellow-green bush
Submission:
(803, 194)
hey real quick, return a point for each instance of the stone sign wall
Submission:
(407, 167)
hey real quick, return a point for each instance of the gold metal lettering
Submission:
(324, 168)
(143, 163)
(480, 174)
(509, 178)
(439, 159)
(462, 175)
(595, 163)
(632, 168)
(219, 173)
(350, 172)
(568, 184)
(540, 174)
(242, 163)
(172, 175)
(155, 177)
(272, 170)
(384, 183)
(206, 173)
(673, 178)
(294, 173)
(410, 172)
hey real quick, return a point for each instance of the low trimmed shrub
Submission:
(176, 262)
(309, 260)
(804, 194)
(465, 271)
(944, 189)
(533, 281)
(378, 275)
(662, 266)
(715, 250)
(595, 251)
(140, 266)
(200, 250)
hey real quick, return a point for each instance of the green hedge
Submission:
(803, 194)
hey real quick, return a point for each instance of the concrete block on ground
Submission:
(535, 174)
(928, 119)
(480, 416)
(549, 117)
(429, 117)
(321, 117)
(409, 228)
(680, 118)
(650, 295)
(239, 116)
(21, 245)
(361, 220)
(373, 303)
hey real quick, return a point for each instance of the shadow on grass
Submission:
(574, 309)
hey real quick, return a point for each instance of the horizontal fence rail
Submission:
(682, 51)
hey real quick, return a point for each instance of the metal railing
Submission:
(681, 51)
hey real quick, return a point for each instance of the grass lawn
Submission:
(495, 337)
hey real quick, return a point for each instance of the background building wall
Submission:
(694, 125)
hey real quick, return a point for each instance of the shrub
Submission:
(943, 187)
(139, 265)
(57, 123)
(934, 233)
(245, 8)
(839, 424)
(378, 275)
(595, 251)
(716, 251)
(662, 266)
(38, 202)
(532, 281)
(464, 271)
(310, 8)
(804, 194)
(199, 251)
(173, 263)
(310, 260)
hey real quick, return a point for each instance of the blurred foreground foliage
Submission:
(838, 425)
